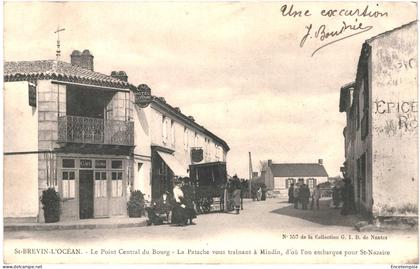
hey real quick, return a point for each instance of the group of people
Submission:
(300, 194)
(178, 206)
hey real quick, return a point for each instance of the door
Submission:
(86, 194)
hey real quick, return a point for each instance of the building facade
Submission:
(279, 176)
(81, 132)
(166, 141)
(381, 147)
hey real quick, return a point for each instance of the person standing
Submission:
(189, 198)
(296, 189)
(178, 212)
(236, 186)
(316, 195)
(290, 193)
(304, 196)
(348, 198)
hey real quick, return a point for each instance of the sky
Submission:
(237, 67)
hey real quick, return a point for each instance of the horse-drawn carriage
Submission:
(209, 180)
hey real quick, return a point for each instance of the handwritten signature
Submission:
(324, 34)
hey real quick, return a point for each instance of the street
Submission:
(265, 231)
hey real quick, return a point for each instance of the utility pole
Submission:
(58, 51)
(250, 175)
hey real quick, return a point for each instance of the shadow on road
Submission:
(323, 216)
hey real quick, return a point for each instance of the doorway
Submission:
(86, 194)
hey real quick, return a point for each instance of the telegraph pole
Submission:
(58, 51)
(250, 175)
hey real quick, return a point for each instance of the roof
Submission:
(298, 170)
(390, 31)
(163, 104)
(345, 95)
(58, 70)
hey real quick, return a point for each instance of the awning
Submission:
(173, 164)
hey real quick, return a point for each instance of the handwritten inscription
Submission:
(322, 33)
(327, 34)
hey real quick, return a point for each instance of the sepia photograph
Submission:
(210, 133)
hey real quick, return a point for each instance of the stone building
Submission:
(168, 144)
(82, 132)
(279, 176)
(381, 146)
(70, 128)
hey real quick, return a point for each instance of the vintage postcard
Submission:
(210, 132)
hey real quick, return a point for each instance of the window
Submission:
(100, 184)
(164, 130)
(361, 176)
(68, 184)
(117, 183)
(195, 140)
(68, 163)
(289, 182)
(185, 138)
(311, 183)
(172, 133)
(116, 164)
(365, 119)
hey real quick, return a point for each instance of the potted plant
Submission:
(135, 205)
(50, 200)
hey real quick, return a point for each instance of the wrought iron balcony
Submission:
(73, 129)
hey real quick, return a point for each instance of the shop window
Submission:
(116, 164)
(68, 163)
(68, 184)
(100, 184)
(117, 184)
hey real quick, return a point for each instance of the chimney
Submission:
(121, 75)
(320, 161)
(191, 118)
(177, 109)
(83, 60)
(269, 162)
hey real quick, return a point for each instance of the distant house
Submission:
(279, 176)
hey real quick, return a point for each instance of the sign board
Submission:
(85, 163)
(143, 96)
(32, 94)
(197, 155)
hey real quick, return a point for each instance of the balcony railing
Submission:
(95, 131)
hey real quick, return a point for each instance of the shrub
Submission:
(136, 204)
(50, 200)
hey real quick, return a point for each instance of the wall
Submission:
(394, 121)
(20, 176)
(280, 182)
(148, 131)
(142, 150)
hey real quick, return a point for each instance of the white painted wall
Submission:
(148, 131)
(20, 134)
(395, 131)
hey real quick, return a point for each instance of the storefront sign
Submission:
(85, 163)
(32, 94)
(143, 96)
(100, 163)
(197, 155)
